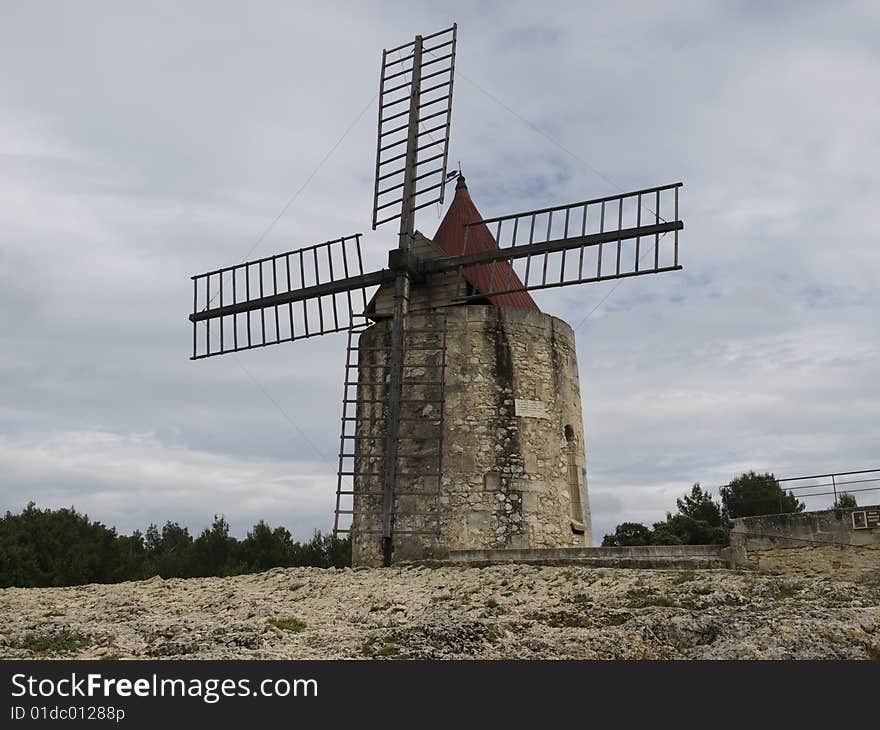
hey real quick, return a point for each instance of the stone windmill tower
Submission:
(461, 423)
(492, 451)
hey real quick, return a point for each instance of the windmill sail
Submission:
(290, 296)
(606, 238)
(416, 82)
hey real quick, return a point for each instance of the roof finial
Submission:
(459, 182)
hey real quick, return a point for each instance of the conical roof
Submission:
(498, 275)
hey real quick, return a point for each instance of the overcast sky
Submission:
(141, 143)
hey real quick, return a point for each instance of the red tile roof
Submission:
(449, 238)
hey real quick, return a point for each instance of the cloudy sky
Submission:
(141, 143)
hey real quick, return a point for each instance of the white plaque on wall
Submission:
(530, 408)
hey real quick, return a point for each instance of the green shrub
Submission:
(288, 623)
(61, 642)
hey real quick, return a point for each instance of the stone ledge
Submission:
(648, 556)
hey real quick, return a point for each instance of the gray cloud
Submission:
(142, 144)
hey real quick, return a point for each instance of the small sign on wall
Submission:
(530, 408)
(865, 519)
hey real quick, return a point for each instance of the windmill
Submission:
(396, 433)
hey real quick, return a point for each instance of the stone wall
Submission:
(642, 556)
(822, 542)
(804, 529)
(860, 564)
(513, 464)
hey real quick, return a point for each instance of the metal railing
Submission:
(833, 485)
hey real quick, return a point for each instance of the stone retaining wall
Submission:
(820, 543)
(841, 562)
(647, 556)
(803, 529)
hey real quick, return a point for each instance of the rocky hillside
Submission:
(503, 612)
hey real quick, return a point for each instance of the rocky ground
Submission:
(502, 612)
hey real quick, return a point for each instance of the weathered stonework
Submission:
(821, 542)
(511, 437)
(803, 529)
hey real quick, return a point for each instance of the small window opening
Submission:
(574, 484)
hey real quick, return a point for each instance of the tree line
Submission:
(46, 547)
(43, 548)
(701, 520)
